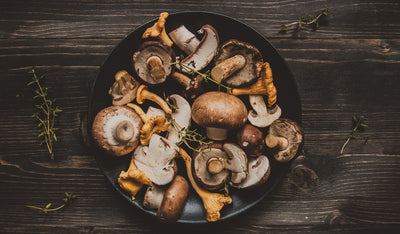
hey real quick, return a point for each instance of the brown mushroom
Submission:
(218, 112)
(193, 87)
(285, 138)
(152, 62)
(251, 140)
(237, 63)
(116, 130)
(124, 88)
(259, 170)
(158, 30)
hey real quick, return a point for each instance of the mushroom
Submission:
(116, 130)
(174, 200)
(261, 116)
(152, 62)
(205, 51)
(157, 160)
(132, 180)
(144, 94)
(184, 39)
(158, 30)
(285, 138)
(193, 87)
(213, 202)
(259, 170)
(153, 197)
(124, 88)
(181, 118)
(152, 125)
(251, 140)
(237, 63)
(218, 112)
(212, 166)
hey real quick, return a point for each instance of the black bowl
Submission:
(227, 28)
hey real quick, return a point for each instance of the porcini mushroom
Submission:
(144, 94)
(259, 170)
(251, 140)
(116, 130)
(237, 63)
(124, 88)
(218, 112)
(152, 62)
(157, 160)
(285, 138)
(132, 180)
(261, 115)
(193, 87)
(205, 51)
(158, 30)
(152, 125)
(184, 39)
(213, 202)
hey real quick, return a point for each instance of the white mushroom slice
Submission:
(261, 116)
(184, 39)
(181, 116)
(153, 197)
(236, 163)
(154, 112)
(156, 160)
(259, 170)
(205, 52)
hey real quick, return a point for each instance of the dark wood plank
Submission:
(94, 19)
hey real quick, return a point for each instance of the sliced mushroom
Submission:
(152, 62)
(153, 197)
(158, 30)
(182, 116)
(218, 112)
(116, 130)
(260, 115)
(157, 160)
(124, 88)
(144, 94)
(236, 163)
(184, 39)
(205, 51)
(251, 140)
(132, 180)
(285, 138)
(258, 174)
(237, 63)
(193, 87)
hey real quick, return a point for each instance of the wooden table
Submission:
(350, 66)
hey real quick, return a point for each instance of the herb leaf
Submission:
(69, 197)
(358, 123)
(309, 20)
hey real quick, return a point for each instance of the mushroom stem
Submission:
(124, 131)
(213, 202)
(144, 94)
(156, 67)
(227, 67)
(181, 79)
(184, 39)
(215, 165)
(276, 142)
(217, 134)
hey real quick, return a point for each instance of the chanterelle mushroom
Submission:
(158, 30)
(237, 63)
(285, 138)
(213, 202)
(144, 94)
(157, 160)
(133, 179)
(261, 116)
(124, 88)
(218, 112)
(116, 130)
(152, 62)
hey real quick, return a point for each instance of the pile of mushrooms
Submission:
(243, 134)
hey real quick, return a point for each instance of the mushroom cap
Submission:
(251, 140)
(292, 132)
(252, 68)
(219, 110)
(105, 125)
(153, 196)
(259, 170)
(201, 174)
(148, 49)
(236, 163)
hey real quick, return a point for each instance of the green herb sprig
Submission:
(312, 21)
(46, 114)
(69, 197)
(358, 123)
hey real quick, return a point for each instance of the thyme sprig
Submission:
(312, 21)
(206, 76)
(358, 123)
(69, 197)
(46, 114)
